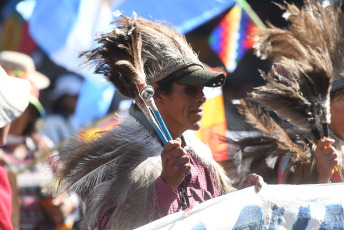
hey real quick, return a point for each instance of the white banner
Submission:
(274, 207)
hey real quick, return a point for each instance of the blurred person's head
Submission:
(65, 93)
(14, 99)
(20, 65)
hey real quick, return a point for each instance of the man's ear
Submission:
(155, 86)
(157, 95)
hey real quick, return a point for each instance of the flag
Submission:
(15, 34)
(231, 38)
(63, 28)
(94, 100)
(213, 124)
(105, 124)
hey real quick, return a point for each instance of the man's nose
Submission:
(201, 96)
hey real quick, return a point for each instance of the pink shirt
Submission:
(199, 184)
(5, 201)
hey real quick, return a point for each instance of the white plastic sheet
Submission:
(274, 207)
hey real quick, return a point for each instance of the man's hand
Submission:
(175, 163)
(253, 179)
(326, 160)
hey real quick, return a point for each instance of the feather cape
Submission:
(119, 171)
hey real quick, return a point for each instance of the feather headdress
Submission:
(142, 49)
(298, 92)
(310, 53)
(308, 58)
(314, 26)
(258, 151)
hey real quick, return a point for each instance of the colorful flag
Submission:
(105, 124)
(231, 38)
(213, 124)
(15, 35)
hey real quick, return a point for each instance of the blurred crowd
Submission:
(32, 137)
(41, 117)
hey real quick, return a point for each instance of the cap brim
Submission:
(14, 97)
(39, 80)
(337, 85)
(196, 75)
(203, 77)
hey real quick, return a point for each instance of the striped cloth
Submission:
(30, 183)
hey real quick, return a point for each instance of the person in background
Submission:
(304, 87)
(14, 98)
(59, 125)
(26, 150)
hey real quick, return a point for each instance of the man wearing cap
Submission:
(128, 177)
(14, 98)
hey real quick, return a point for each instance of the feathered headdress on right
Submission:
(309, 63)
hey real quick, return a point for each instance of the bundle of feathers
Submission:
(137, 51)
(307, 57)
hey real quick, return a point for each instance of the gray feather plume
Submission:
(298, 92)
(119, 57)
(305, 56)
(93, 172)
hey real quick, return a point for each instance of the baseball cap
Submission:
(338, 84)
(21, 65)
(16, 61)
(195, 75)
(14, 97)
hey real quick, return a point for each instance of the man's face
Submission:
(182, 108)
(337, 115)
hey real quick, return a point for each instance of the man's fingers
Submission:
(325, 143)
(185, 159)
(172, 144)
(251, 179)
(182, 162)
(256, 180)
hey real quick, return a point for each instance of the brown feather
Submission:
(258, 151)
(119, 57)
(137, 51)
